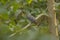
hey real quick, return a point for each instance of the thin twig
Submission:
(29, 24)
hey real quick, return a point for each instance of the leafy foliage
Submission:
(9, 11)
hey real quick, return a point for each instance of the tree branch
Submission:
(40, 16)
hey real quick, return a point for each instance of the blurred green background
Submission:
(9, 11)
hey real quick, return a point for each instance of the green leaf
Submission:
(29, 1)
